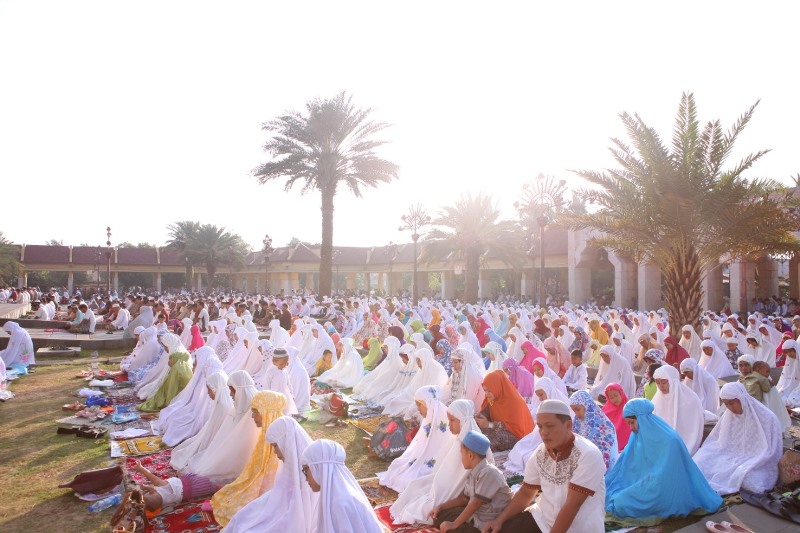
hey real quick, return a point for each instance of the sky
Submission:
(135, 115)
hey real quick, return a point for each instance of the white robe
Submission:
(347, 371)
(680, 408)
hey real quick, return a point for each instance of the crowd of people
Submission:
(599, 410)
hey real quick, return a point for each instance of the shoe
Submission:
(91, 433)
(67, 431)
(736, 528)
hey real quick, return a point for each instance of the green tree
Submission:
(677, 208)
(207, 245)
(9, 261)
(467, 232)
(331, 145)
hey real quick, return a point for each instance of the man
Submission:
(40, 311)
(276, 379)
(286, 317)
(755, 384)
(568, 471)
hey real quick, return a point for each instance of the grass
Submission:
(34, 460)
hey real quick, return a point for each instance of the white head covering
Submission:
(348, 370)
(239, 353)
(717, 363)
(221, 410)
(550, 389)
(186, 333)
(373, 385)
(266, 349)
(515, 346)
(145, 352)
(342, 506)
(423, 494)
(692, 344)
(742, 451)
(19, 349)
(299, 382)
(499, 356)
(432, 441)
(431, 373)
(466, 384)
(789, 383)
(618, 370)
(702, 383)
(680, 408)
(153, 379)
(287, 505)
(278, 336)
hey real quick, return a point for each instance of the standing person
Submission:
(568, 471)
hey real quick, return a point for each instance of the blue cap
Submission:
(477, 442)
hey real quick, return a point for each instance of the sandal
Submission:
(736, 528)
(75, 406)
(83, 374)
(91, 432)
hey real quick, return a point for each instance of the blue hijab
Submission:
(494, 337)
(655, 477)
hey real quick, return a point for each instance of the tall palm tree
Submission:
(676, 208)
(468, 231)
(329, 146)
(207, 245)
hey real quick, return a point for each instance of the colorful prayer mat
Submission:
(135, 447)
(188, 517)
(157, 463)
(376, 493)
(386, 519)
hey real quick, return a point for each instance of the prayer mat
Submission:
(137, 424)
(360, 411)
(157, 463)
(382, 512)
(79, 421)
(121, 377)
(376, 493)
(188, 517)
(128, 398)
(370, 425)
(135, 447)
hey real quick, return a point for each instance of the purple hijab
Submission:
(520, 377)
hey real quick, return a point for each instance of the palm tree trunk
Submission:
(471, 275)
(326, 249)
(211, 268)
(683, 293)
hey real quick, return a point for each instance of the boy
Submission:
(772, 398)
(485, 494)
(575, 377)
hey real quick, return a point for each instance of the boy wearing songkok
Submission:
(485, 494)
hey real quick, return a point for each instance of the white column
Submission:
(484, 284)
(22, 280)
(713, 296)
(116, 282)
(158, 281)
(448, 285)
(743, 285)
(625, 281)
(70, 282)
(580, 284)
(767, 278)
(649, 287)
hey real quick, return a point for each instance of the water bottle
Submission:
(105, 503)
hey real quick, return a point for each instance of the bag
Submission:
(97, 481)
(391, 439)
(337, 406)
(130, 516)
(789, 465)
(97, 400)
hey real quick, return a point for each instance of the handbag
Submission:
(391, 439)
(130, 516)
(95, 480)
(337, 406)
(789, 465)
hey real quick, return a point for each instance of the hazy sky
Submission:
(139, 114)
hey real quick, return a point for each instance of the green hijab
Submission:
(180, 373)
(372, 359)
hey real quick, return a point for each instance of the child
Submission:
(772, 398)
(485, 494)
(326, 363)
(166, 493)
(576, 375)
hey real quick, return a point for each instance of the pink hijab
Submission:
(197, 339)
(521, 378)
(531, 353)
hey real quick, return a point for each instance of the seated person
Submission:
(679, 407)
(754, 383)
(505, 417)
(743, 449)
(343, 506)
(485, 491)
(325, 363)
(772, 399)
(178, 376)
(592, 424)
(572, 500)
(655, 477)
(40, 311)
(576, 375)
(166, 493)
(613, 408)
(520, 377)
(79, 324)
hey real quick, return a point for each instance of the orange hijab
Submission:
(508, 406)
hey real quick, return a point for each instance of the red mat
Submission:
(157, 463)
(188, 517)
(382, 511)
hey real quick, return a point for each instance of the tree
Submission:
(207, 245)
(332, 145)
(9, 261)
(676, 208)
(127, 244)
(468, 231)
(54, 242)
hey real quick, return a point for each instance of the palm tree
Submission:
(329, 146)
(9, 261)
(467, 232)
(676, 208)
(207, 245)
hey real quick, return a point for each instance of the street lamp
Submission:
(335, 258)
(98, 254)
(416, 218)
(266, 251)
(391, 255)
(108, 256)
(542, 197)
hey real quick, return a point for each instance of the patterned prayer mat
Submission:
(157, 463)
(359, 411)
(127, 397)
(386, 519)
(188, 517)
(376, 493)
(135, 447)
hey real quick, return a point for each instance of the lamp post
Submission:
(108, 256)
(781, 257)
(266, 251)
(416, 218)
(335, 258)
(391, 255)
(543, 198)
(97, 256)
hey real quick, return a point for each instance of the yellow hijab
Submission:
(258, 474)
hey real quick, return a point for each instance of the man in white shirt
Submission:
(567, 472)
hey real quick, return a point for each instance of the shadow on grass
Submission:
(50, 515)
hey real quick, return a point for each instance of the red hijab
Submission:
(614, 413)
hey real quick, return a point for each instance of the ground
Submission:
(34, 460)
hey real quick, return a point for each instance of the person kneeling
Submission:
(485, 493)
